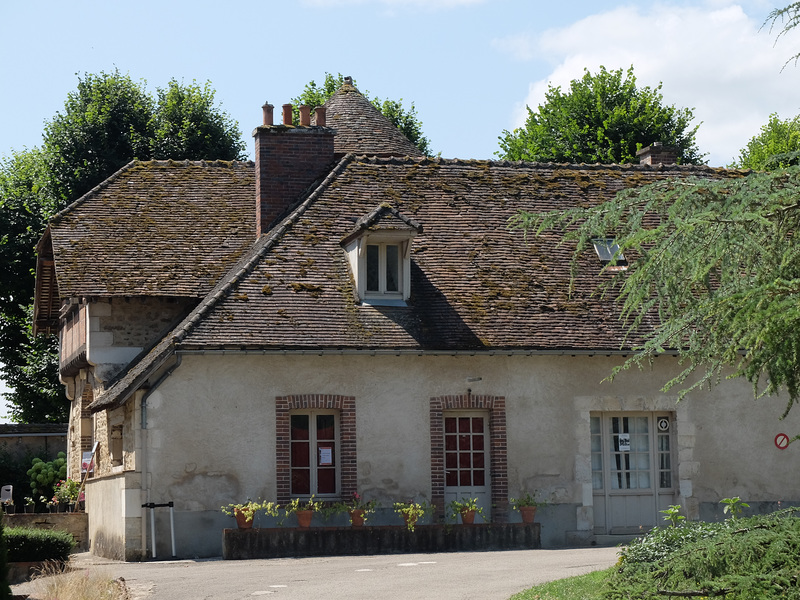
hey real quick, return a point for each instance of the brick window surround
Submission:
(346, 406)
(498, 451)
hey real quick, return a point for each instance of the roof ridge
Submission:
(402, 160)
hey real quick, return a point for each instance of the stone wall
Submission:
(76, 524)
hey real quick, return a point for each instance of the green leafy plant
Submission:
(44, 475)
(672, 514)
(412, 512)
(457, 507)
(356, 502)
(734, 506)
(29, 501)
(66, 490)
(249, 509)
(27, 545)
(298, 504)
(527, 499)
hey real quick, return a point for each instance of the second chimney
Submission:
(658, 154)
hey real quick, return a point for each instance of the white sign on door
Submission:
(624, 442)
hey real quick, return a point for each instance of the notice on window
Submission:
(325, 456)
(87, 464)
(624, 442)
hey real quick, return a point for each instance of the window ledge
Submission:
(384, 302)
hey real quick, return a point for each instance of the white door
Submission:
(631, 470)
(466, 459)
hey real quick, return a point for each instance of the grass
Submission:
(54, 584)
(580, 587)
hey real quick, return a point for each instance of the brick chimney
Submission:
(658, 154)
(288, 160)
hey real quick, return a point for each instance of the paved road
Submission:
(444, 576)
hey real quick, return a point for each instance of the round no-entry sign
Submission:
(782, 441)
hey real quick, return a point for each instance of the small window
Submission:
(607, 250)
(314, 450)
(383, 268)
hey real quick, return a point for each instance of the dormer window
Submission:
(379, 253)
(607, 251)
(383, 268)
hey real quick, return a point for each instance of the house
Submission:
(346, 315)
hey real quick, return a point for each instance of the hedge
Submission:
(25, 544)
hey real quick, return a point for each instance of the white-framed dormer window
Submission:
(379, 253)
(608, 251)
(384, 268)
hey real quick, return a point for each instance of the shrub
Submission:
(5, 588)
(740, 559)
(25, 544)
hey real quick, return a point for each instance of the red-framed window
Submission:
(314, 453)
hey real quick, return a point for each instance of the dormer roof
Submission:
(384, 218)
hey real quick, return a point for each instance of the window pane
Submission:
(299, 427)
(451, 478)
(392, 268)
(325, 430)
(451, 442)
(450, 425)
(594, 424)
(477, 425)
(463, 425)
(450, 460)
(463, 460)
(464, 478)
(477, 460)
(300, 454)
(666, 479)
(326, 454)
(326, 481)
(478, 478)
(597, 481)
(373, 268)
(477, 442)
(463, 442)
(301, 482)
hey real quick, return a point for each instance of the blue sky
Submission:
(469, 66)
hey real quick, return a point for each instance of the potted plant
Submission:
(66, 494)
(466, 508)
(303, 510)
(30, 504)
(245, 513)
(412, 512)
(50, 503)
(357, 509)
(8, 506)
(526, 505)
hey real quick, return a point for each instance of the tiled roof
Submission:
(475, 285)
(362, 129)
(161, 228)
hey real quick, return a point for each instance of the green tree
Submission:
(716, 263)
(603, 118)
(406, 120)
(786, 19)
(186, 123)
(777, 146)
(108, 121)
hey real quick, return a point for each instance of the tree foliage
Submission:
(106, 122)
(786, 19)
(714, 273)
(603, 118)
(406, 120)
(776, 146)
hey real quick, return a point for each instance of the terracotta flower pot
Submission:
(357, 518)
(468, 517)
(304, 518)
(528, 514)
(242, 521)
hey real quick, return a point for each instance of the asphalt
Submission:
(443, 576)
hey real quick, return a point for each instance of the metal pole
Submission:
(153, 527)
(172, 527)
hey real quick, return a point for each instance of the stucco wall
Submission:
(210, 436)
(113, 504)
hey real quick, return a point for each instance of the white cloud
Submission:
(714, 58)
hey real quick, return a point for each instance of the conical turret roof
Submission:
(362, 129)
